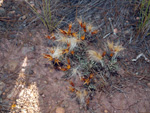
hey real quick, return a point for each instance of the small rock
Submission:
(105, 111)
(60, 110)
(43, 95)
(137, 18)
(45, 82)
(22, 17)
(115, 31)
(148, 84)
(2, 11)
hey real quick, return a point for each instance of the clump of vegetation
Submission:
(144, 21)
(74, 55)
(45, 15)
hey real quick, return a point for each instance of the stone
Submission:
(148, 84)
(60, 110)
(115, 31)
(105, 111)
(2, 11)
(22, 17)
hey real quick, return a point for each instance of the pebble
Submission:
(2, 11)
(22, 17)
(43, 95)
(115, 31)
(60, 110)
(45, 82)
(105, 111)
(148, 84)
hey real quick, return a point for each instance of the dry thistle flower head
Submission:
(74, 34)
(73, 42)
(72, 89)
(81, 95)
(93, 55)
(114, 47)
(58, 51)
(48, 56)
(110, 45)
(82, 24)
(64, 32)
(69, 29)
(62, 39)
(91, 29)
(79, 21)
(118, 48)
(82, 37)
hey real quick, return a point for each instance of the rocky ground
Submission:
(30, 84)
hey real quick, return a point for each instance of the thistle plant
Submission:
(90, 66)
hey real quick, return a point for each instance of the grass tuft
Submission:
(45, 15)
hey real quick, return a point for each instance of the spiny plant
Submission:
(74, 56)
